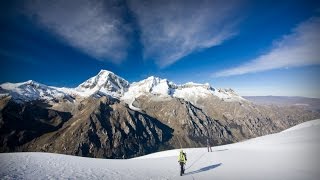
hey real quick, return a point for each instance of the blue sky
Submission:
(254, 47)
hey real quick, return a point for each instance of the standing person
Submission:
(208, 146)
(182, 159)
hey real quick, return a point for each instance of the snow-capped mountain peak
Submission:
(105, 82)
(30, 90)
(13, 86)
(108, 83)
(151, 85)
(192, 84)
(190, 91)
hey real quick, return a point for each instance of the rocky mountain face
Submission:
(107, 117)
(219, 120)
(104, 127)
(23, 122)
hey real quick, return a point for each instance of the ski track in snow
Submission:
(291, 154)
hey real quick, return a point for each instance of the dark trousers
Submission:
(182, 167)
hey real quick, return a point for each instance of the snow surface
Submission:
(304, 125)
(193, 93)
(105, 82)
(286, 155)
(30, 90)
(151, 85)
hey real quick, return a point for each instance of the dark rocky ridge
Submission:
(104, 127)
(220, 121)
(20, 123)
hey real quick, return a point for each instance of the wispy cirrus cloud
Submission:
(95, 27)
(172, 29)
(300, 48)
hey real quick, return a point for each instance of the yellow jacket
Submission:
(182, 158)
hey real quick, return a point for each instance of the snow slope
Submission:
(286, 155)
(151, 85)
(30, 90)
(105, 82)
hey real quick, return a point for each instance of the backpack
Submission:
(185, 155)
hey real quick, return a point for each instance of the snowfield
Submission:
(291, 154)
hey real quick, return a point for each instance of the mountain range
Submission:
(108, 117)
(306, 102)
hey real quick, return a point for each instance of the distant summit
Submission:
(105, 82)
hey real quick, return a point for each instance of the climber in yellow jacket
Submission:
(182, 159)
